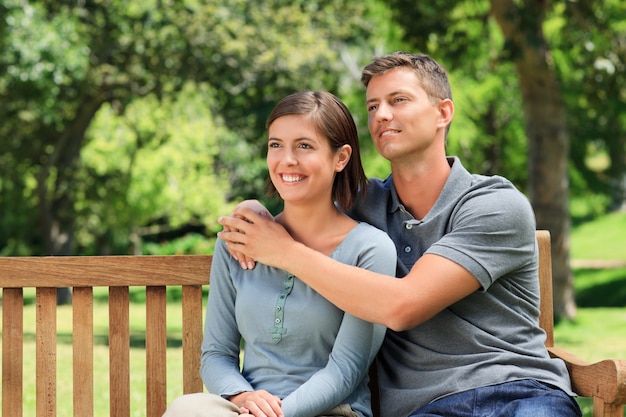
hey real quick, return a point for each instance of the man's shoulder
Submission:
(379, 183)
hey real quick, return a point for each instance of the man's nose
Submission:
(383, 112)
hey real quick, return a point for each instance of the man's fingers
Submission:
(249, 215)
(232, 223)
(236, 226)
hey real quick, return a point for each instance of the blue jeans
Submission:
(524, 398)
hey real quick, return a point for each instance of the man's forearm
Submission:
(350, 288)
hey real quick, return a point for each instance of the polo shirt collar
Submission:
(458, 180)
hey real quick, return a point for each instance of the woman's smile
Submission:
(291, 178)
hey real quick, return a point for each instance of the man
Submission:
(464, 337)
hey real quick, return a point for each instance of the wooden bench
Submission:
(83, 274)
(605, 381)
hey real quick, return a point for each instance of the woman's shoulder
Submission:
(371, 236)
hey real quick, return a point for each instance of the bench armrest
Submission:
(605, 379)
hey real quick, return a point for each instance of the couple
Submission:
(463, 337)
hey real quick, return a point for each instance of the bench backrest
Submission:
(118, 273)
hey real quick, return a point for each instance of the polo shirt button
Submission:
(409, 226)
(407, 249)
(277, 321)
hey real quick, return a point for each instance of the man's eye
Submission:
(372, 107)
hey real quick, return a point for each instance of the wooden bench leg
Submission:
(600, 409)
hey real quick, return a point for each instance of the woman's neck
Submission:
(321, 227)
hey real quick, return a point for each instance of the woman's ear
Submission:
(342, 157)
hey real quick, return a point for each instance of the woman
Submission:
(303, 356)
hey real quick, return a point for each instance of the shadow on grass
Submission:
(600, 288)
(136, 295)
(137, 339)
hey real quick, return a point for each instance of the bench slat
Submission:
(82, 343)
(156, 343)
(12, 351)
(192, 338)
(46, 318)
(119, 353)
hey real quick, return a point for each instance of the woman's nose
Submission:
(289, 158)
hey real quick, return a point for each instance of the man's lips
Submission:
(388, 132)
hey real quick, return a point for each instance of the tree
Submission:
(547, 132)
(66, 62)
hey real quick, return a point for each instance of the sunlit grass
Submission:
(603, 238)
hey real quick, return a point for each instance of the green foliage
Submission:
(487, 131)
(586, 42)
(44, 57)
(155, 162)
(190, 244)
(589, 43)
(488, 127)
(95, 136)
(255, 64)
(92, 144)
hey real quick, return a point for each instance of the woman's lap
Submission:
(201, 404)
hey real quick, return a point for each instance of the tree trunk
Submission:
(55, 191)
(617, 170)
(547, 134)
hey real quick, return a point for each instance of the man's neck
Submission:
(419, 187)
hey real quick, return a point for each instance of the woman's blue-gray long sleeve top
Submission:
(298, 346)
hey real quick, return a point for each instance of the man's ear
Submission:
(343, 157)
(446, 111)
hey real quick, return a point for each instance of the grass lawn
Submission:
(602, 238)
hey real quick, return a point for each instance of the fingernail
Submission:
(250, 265)
(243, 265)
